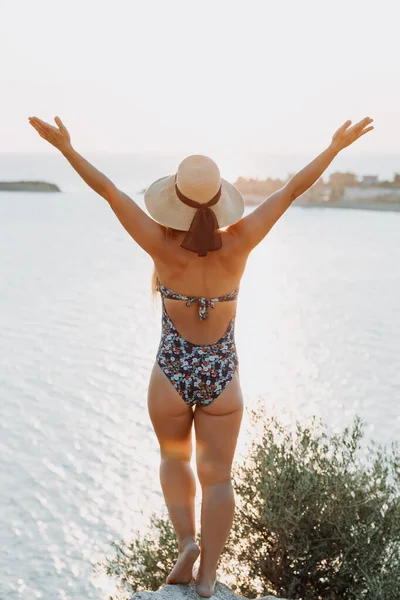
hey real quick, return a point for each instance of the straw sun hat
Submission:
(196, 199)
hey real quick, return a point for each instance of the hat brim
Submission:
(165, 207)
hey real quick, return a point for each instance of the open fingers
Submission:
(40, 125)
(360, 130)
(361, 124)
(44, 130)
(35, 124)
(37, 121)
(60, 124)
(365, 131)
(343, 127)
(39, 128)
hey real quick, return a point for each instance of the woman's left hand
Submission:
(346, 135)
(56, 136)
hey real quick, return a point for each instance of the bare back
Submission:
(216, 274)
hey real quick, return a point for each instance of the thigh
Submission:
(217, 427)
(171, 418)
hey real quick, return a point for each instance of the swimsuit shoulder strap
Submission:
(204, 303)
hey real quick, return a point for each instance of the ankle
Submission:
(207, 572)
(185, 543)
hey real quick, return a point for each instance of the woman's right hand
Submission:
(56, 136)
(344, 137)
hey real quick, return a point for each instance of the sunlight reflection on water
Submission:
(318, 329)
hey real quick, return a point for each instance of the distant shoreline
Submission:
(255, 200)
(28, 186)
(375, 207)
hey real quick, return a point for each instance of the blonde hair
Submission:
(155, 282)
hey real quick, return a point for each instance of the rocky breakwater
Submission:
(188, 592)
(28, 186)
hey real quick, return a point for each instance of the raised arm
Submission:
(251, 229)
(143, 229)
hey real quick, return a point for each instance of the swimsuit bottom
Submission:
(199, 373)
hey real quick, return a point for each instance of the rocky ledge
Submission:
(28, 186)
(188, 592)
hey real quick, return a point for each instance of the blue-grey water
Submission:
(318, 332)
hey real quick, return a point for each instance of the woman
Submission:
(195, 376)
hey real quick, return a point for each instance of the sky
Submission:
(197, 76)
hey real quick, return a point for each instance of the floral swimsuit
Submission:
(198, 372)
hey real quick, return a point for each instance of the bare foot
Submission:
(205, 585)
(182, 571)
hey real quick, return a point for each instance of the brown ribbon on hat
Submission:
(203, 235)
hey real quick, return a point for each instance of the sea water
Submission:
(318, 333)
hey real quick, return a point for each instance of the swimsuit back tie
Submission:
(203, 302)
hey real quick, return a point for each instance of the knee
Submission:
(213, 473)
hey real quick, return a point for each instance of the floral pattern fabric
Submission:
(198, 372)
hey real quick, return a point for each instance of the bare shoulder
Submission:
(235, 239)
(251, 229)
(234, 254)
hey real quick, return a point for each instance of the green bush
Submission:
(144, 562)
(317, 517)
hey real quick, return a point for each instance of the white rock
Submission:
(188, 592)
